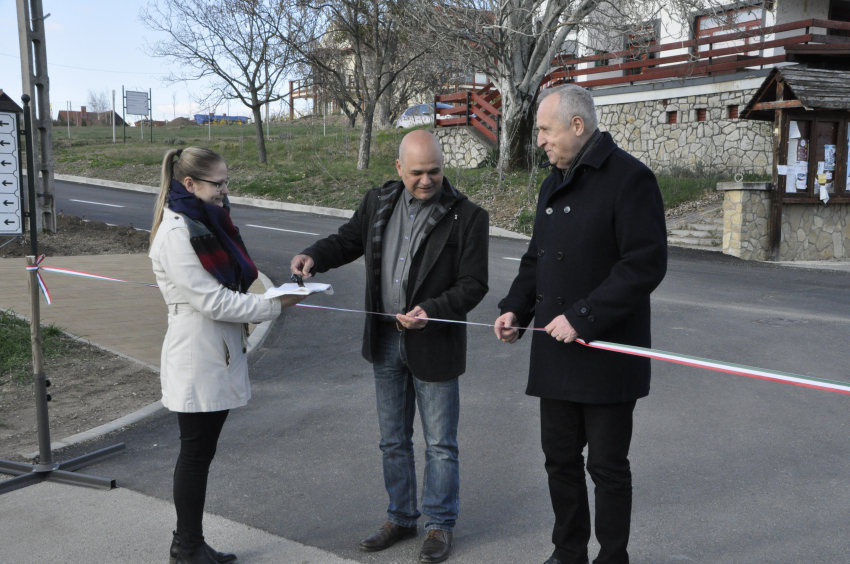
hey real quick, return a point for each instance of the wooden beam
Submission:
(778, 105)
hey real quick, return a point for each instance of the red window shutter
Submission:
(701, 114)
(733, 112)
(672, 117)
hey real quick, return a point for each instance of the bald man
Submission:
(425, 248)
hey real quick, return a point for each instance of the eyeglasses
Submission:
(218, 185)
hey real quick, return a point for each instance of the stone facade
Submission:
(746, 210)
(809, 231)
(815, 232)
(463, 147)
(719, 144)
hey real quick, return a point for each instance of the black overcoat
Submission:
(448, 276)
(598, 250)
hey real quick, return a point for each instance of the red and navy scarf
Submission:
(215, 239)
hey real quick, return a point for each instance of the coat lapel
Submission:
(432, 245)
(387, 198)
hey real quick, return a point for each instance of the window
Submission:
(639, 42)
(665, 101)
(726, 22)
(701, 114)
(732, 112)
(672, 117)
(601, 62)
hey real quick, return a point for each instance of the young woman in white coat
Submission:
(204, 272)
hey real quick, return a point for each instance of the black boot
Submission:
(220, 557)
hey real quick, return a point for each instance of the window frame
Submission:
(841, 192)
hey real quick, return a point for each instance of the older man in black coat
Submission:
(425, 248)
(599, 249)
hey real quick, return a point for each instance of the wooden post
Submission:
(775, 225)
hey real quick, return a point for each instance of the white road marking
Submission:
(278, 229)
(510, 258)
(97, 203)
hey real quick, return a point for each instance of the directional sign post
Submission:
(10, 176)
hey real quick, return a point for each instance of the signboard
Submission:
(10, 177)
(137, 103)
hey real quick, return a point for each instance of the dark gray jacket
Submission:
(447, 279)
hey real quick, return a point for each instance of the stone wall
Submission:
(463, 147)
(746, 210)
(809, 231)
(719, 144)
(815, 232)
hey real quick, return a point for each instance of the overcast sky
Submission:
(104, 41)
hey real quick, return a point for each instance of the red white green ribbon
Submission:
(715, 365)
(37, 268)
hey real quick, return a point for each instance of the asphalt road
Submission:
(726, 469)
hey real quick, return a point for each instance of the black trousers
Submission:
(198, 439)
(606, 429)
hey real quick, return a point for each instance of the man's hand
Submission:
(505, 330)
(301, 265)
(561, 329)
(414, 319)
(290, 300)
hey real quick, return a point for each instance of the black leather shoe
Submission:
(220, 557)
(437, 546)
(389, 534)
(553, 560)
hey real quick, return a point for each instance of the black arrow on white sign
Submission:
(8, 203)
(2, 143)
(9, 222)
(2, 123)
(4, 163)
(7, 183)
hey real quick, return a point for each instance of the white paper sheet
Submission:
(292, 289)
(824, 195)
(793, 130)
(782, 170)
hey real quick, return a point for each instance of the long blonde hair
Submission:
(191, 161)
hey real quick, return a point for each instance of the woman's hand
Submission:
(290, 300)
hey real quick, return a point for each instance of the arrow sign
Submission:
(4, 163)
(2, 123)
(4, 143)
(8, 203)
(7, 183)
(10, 222)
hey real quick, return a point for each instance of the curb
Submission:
(256, 202)
(255, 339)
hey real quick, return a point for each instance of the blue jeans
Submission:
(397, 392)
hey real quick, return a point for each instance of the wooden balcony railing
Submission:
(697, 62)
(478, 109)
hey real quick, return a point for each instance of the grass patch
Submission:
(16, 347)
(315, 164)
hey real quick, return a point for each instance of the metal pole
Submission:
(209, 125)
(123, 113)
(45, 456)
(32, 209)
(69, 119)
(150, 110)
(112, 117)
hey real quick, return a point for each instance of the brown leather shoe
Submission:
(389, 534)
(437, 546)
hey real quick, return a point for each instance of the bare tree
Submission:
(359, 55)
(246, 46)
(98, 103)
(518, 42)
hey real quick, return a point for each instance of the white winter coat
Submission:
(204, 362)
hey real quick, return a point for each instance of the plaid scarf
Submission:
(214, 238)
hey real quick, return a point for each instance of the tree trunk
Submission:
(366, 136)
(517, 143)
(384, 113)
(261, 140)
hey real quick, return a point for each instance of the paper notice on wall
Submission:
(829, 157)
(824, 195)
(793, 130)
(802, 151)
(782, 170)
(821, 167)
(792, 151)
(802, 179)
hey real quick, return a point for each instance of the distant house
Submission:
(203, 119)
(89, 118)
(147, 123)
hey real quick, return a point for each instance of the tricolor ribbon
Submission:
(715, 365)
(37, 268)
